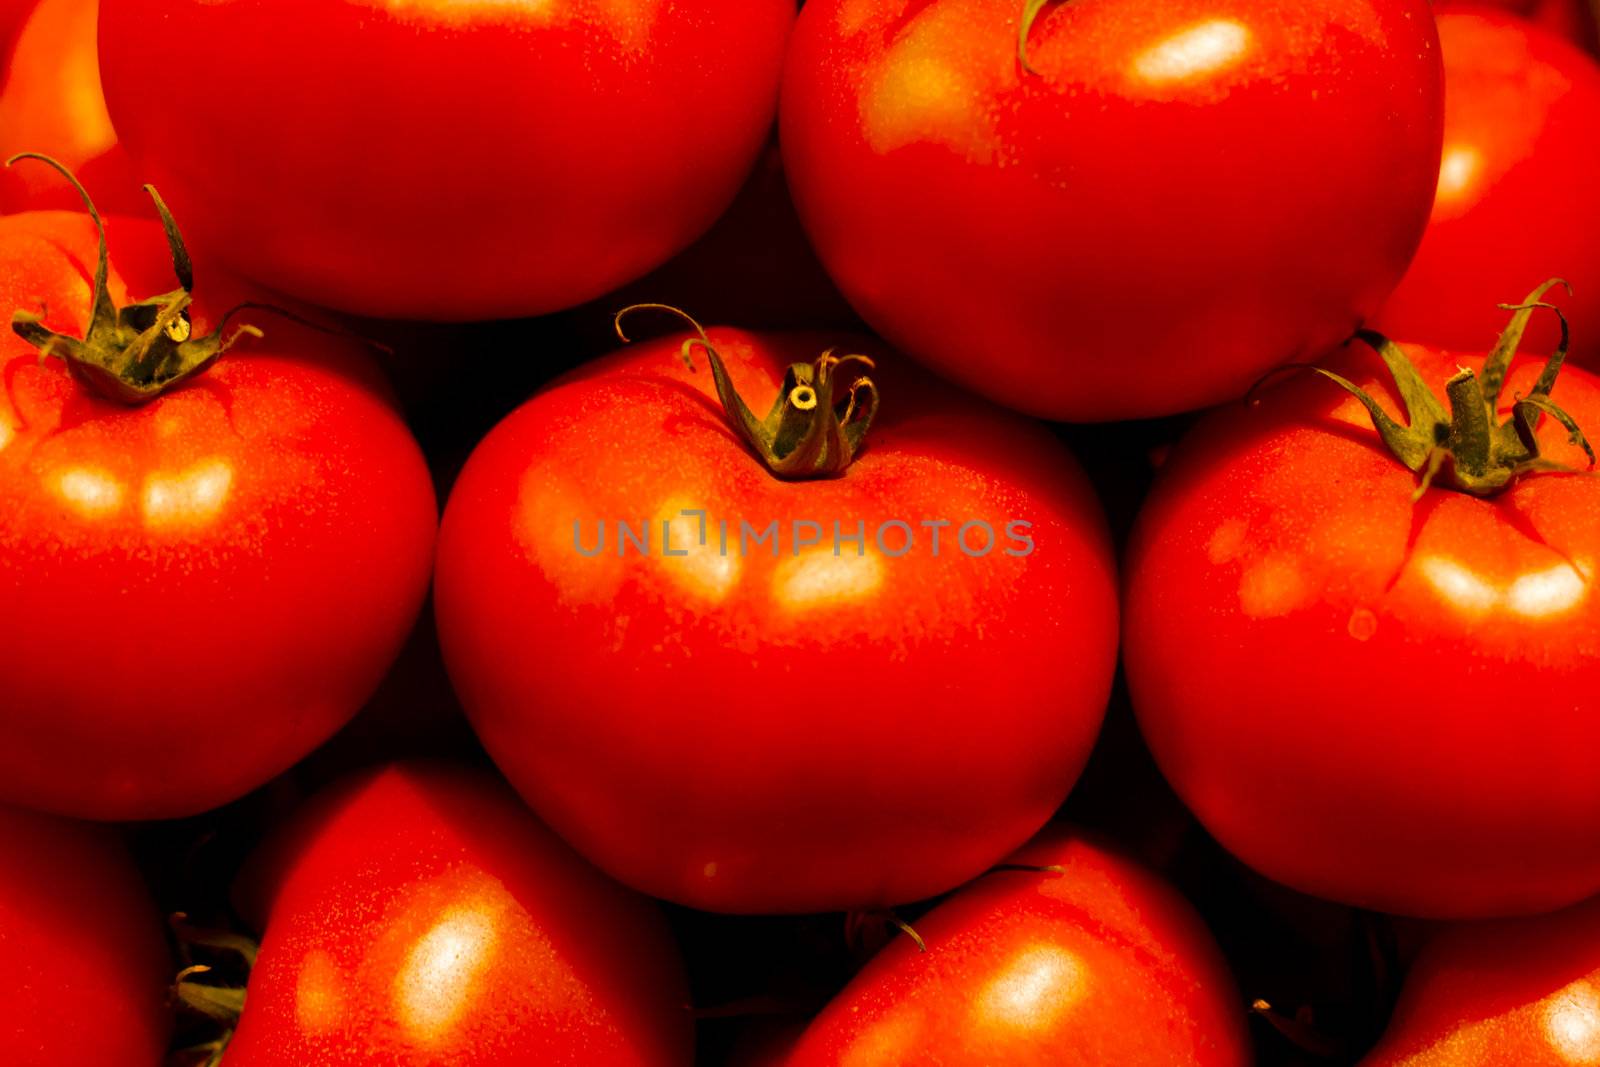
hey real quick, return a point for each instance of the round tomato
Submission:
(83, 963)
(1387, 701)
(1516, 199)
(1098, 962)
(50, 102)
(1515, 991)
(1176, 198)
(201, 588)
(445, 159)
(420, 915)
(754, 693)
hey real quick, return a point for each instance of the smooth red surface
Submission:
(760, 734)
(199, 591)
(1100, 964)
(83, 964)
(1391, 705)
(1187, 194)
(1516, 201)
(50, 102)
(1517, 991)
(444, 159)
(424, 917)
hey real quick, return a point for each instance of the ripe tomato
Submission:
(445, 159)
(422, 916)
(791, 724)
(201, 589)
(1101, 963)
(1241, 178)
(1381, 702)
(83, 963)
(1516, 991)
(1516, 202)
(50, 102)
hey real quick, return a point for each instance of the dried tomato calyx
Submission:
(214, 990)
(135, 353)
(814, 430)
(1465, 447)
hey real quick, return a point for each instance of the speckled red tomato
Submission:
(199, 590)
(1516, 199)
(788, 725)
(1516, 991)
(1101, 963)
(1381, 702)
(1184, 194)
(83, 963)
(421, 916)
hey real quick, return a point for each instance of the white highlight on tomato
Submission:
(1194, 52)
(193, 496)
(1038, 984)
(435, 986)
(819, 578)
(1572, 1023)
(1552, 591)
(91, 492)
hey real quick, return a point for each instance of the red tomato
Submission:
(423, 917)
(1389, 704)
(83, 963)
(777, 728)
(1101, 963)
(1517, 991)
(201, 589)
(1184, 195)
(50, 102)
(445, 159)
(1516, 199)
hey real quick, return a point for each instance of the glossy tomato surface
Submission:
(784, 727)
(50, 102)
(1516, 198)
(1388, 704)
(1517, 991)
(201, 590)
(444, 159)
(1245, 179)
(83, 964)
(1100, 963)
(421, 917)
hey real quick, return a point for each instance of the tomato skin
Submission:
(1398, 702)
(51, 103)
(423, 917)
(792, 730)
(1067, 243)
(499, 160)
(1102, 963)
(1514, 991)
(83, 963)
(201, 590)
(1515, 203)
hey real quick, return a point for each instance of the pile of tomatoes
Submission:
(1091, 558)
